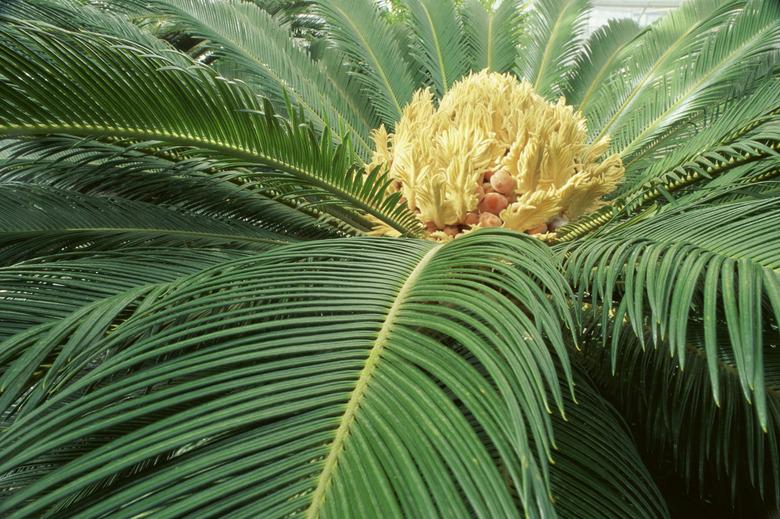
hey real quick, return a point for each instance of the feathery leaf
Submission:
(550, 42)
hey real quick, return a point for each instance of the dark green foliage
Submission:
(194, 322)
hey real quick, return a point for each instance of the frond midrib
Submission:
(724, 64)
(380, 70)
(337, 447)
(546, 54)
(682, 39)
(247, 53)
(491, 43)
(437, 44)
(190, 140)
(161, 230)
(599, 78)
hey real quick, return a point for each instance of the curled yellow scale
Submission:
(494, 153)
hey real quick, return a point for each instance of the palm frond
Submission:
(730, 128)
(551, 39)
(672, 40)
(737, 147)
(707, 439)
(357, 28)
(56, 81)
(596, 457)
(77, 15)
(723, 63)
(41, 220)
(51, 288)
(304, 26)
(292, 381)
(730, 164)
(492, 34)
(687, 263)
(170, 177)
(600, 59)
(440, 47)
(244, 37)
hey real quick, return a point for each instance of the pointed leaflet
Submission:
(357, 28)
(492, 34)
(439, 43)
(550, 42)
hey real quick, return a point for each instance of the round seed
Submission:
(503, 183)
(493, 203)
(472, 218)
(489, 220)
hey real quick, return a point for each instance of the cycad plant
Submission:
(352, 258)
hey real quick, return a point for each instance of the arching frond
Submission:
(41, 220)
(102, 86)
(78, 15)
(551, 39)
(304, 26)
(492, 34)
(439, 45)
(738, 148)
(51, 288)
(356, 27)
(293, 381)
(599, 60)
(724, 133)
(671, 42)
(244, 36)
(715, 262)
(168, 177)
(723, 63)
(707, 440)
(596, 456)
(741, 161)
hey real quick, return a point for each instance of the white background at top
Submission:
(641, 11)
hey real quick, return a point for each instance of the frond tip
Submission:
(494, 153)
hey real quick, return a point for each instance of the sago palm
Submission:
(357, 259)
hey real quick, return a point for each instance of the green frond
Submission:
(599, 60)
(77, 15)
(596, 457)
(169, 177)
(666, 46)
(720, 66)
(41, 220)
(707, 440)
(56, 81)
(295, 381)
(492, 34)
(731, 164)
(725, 127)
(296, 14)
(357, 28)
(50, 288)
(738, 147)
(439, 45)
(337, 67)
(550, 42)
(703, 262)
(243, 37)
